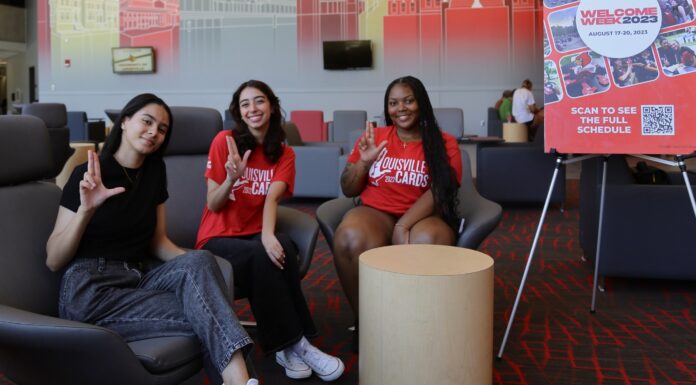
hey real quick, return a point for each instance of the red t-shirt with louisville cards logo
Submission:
(399, 176)
(243, 213)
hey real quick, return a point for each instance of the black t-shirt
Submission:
(122, 228)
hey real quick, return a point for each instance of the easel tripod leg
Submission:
(559, 161)
(599, 233)
(687, 182)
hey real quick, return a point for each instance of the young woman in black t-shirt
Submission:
(110, 220)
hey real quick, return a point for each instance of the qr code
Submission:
(657, 119)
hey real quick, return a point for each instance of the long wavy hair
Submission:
(113, 141)
(275, 136)
(443, 177)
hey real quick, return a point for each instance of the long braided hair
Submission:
(444, 180)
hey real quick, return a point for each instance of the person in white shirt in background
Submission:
(524, 107)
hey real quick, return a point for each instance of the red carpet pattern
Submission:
(643, 333)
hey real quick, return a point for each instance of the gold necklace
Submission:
(404, 142)
(128, 176)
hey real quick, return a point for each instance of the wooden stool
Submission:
(426, 316)
(515, 132)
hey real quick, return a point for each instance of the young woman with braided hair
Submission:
(405, 177)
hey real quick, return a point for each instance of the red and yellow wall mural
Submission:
(203, 45)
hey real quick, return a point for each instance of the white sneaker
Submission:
(295, 367)
(327, 367)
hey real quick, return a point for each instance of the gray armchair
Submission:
(82, 128)
(186, 157)
(647, 229)
(55, 117)
(450, 120)
(36, 347)
(112, 114)
(480, 214)
(343, 123)
(316, 164)
(518, 172)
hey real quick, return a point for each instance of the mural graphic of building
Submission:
(80, 15)
(207, 26)
(324, 20)
(220, 9)
(370, 23)
(408, 32)
(80, 35)
(527, 33)
(152, 23)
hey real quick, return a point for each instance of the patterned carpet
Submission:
(643, 333)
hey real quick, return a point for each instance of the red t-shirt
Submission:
(399, 176)
(243, 213)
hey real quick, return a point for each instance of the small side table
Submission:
(515, 132)
(426, 316)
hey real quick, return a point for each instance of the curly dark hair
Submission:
(272, 144)
(113, 141)
(444, 179)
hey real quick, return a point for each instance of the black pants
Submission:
(275, 295)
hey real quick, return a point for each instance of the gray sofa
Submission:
(518, 172)
(55, 117)
(647, 229)
(316, 165)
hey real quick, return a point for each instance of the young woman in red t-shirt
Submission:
(406, 175)
(239, 223)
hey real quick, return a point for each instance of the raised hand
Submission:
(235, 164)
(400, 235)
(274, 250)
(368, 150)
(92, 191)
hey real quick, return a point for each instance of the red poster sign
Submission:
(620, 76)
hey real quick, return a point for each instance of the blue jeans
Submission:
(186, 296)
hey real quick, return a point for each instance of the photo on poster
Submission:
(557, 3)
(676, 51)
(675, 12)
(547, 44)
(584, 74)
(633, 70)
(563, 30)
(552, 83)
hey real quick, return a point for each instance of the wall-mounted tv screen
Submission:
(347, 54)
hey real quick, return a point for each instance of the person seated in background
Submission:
(623, 72)
(504, 106)
(687, 61)
(111, 218)
(524, 107)
(551, 91)
(668, 55)
(586, 73)
(249, 170)
(404, 179)
(644, 66)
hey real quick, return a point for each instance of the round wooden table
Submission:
(515, 132)
(426, 316)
